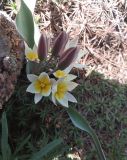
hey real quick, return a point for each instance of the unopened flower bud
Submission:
(42, 47)
(60, 44)
(68, 57)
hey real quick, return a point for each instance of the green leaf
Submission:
(22, 144)
(25, 24)
(45, 150)
(0, 157)
(81, 123)
(31, 5)
(29, 67)
(6, 152)
(33, 67)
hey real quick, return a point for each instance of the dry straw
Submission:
(101, 26)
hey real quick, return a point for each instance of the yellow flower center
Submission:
(32, 56)
(43, 84)
(60, 74)
(61, 90)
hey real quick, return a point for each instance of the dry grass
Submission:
(101, 26)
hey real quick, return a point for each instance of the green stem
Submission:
(47, 63)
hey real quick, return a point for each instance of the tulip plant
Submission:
(48, 69)
(56, 83)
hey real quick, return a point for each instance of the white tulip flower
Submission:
(61, 92)
(31, 54)
(64, 74)
(40, 85)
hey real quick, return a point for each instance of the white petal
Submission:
(43, 74)
(69, 68)
(31, 89)
(53, 81)
(35, 48)
(70, 77)
(81, 54)
(54, 100)
(37, 34)
(72, 43)
(60, 80)
(63, 102)
(47, 93)
(54, 74)
(37, 97)
(54, 86)
(27, 49)
(72, 85)
(79, 66)
(32, 77)
(71, 98)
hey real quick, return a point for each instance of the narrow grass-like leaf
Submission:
(22, 145)
(81, 123)
(5, 149)
(25, 24)
(47, 149)
(0, 157)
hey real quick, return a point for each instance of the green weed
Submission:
(101, 101)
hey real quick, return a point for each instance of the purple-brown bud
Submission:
(68, 57)
(60, 44)
(42, 47)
